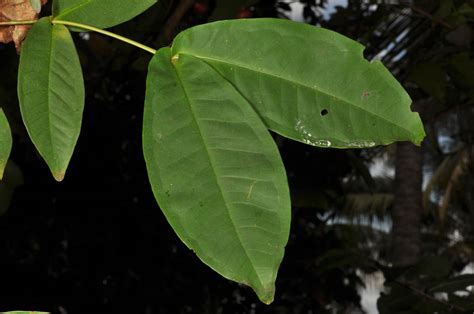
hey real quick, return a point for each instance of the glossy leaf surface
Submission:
(99, 13)
(215, 171)
(5, 142)
(307, 83)
(51, 93)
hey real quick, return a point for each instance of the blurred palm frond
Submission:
(447, 182)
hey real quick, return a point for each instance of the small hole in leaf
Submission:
(324, 112)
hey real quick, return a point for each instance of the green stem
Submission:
(12, 23)
(106, 33)
(86, 27)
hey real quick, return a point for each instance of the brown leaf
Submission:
(16, 10)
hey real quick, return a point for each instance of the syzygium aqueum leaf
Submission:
(215, 171)
(99, 13)
(5, 142)
(307, 83)
(51, 93)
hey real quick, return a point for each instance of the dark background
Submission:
(98, 243)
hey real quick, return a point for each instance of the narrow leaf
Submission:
(215, 171)
(5, 142)
(51, 93)
(307, 83)
(99, 13)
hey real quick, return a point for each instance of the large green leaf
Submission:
(99, 13)
(51, 93)
(5, 142)
(215, 171)
(309, 84)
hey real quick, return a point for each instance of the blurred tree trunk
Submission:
(407, 208)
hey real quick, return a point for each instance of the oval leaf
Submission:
(5, 142)
(51, 93)
(99, 13)
(215, 171)
(307, 83)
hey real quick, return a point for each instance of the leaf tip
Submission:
(268, 301)
(59, 176)
(267, 295)
(267, 298)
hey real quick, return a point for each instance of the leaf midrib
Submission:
(50, 64)
(206, 59)
(216, 177)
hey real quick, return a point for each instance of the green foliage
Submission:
(193, 131)
(51, 93)
(215, 171)
(325, 94)
(212, 164)
(99, 13)
(5, 142)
